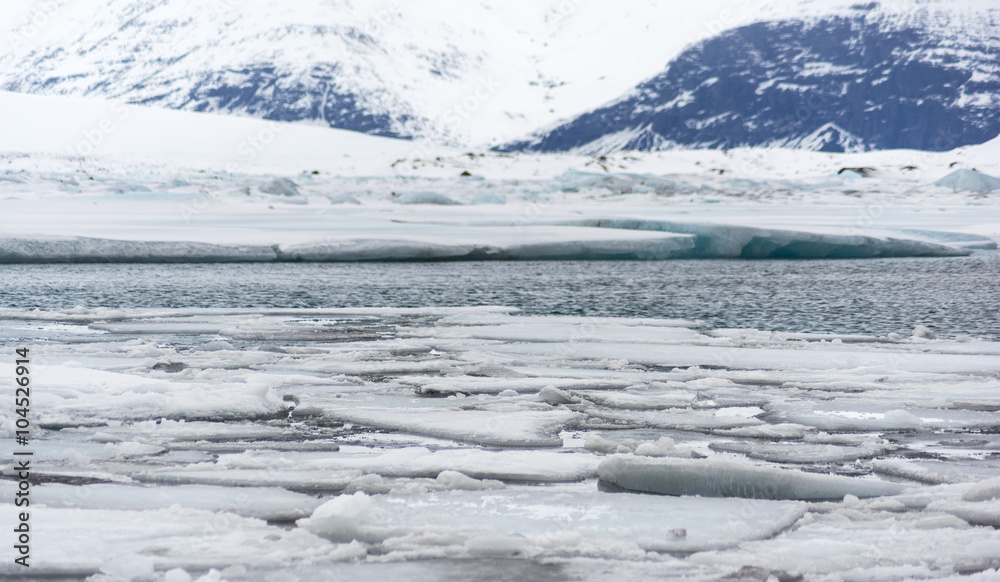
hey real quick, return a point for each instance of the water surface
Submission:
(953, 296)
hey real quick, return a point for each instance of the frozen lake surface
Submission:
(953, 296)
(441, 443)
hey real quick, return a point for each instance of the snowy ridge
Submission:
(69, 131)
(919, 75)
(470, 74)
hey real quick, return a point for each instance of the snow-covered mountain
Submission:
(916, 75)
(470, 73)
(817, 74)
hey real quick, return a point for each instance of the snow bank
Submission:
(712, 478)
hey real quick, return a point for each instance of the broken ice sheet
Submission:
(80, 542)
(556, 521)
(272, 504)
(477, 434)
(515, 428)
(79, 395)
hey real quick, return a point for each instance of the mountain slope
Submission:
(476, 73)
(74, 132)
(464, 72)
(870, 79)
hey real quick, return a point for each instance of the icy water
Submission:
(953, 296)
(445, 443)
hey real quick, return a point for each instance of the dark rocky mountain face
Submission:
(843, 83)
(266, 92)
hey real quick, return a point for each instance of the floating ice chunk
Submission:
(978, 513)
(77, 395)
(553, 331)
(554, 396)
(82, 542)
(855, 421)
(341, 519)
(645, 400)
(679, 419)
(797, 452)
(129, 566)
(599, 444)
(983, 491)
(301, 481)
(467, 317)
(512, 429)
(372, 484)
(264, 503)
(649, 450)
(62, 450)
(856, 545)
(778, 431)
(553, 521)
(452, 385)
(922, 331)
(661, 448)
(515, 465)
(911, 471)
(492, 371)
(458, 481)
(785, 358)
(713, 478)
(165, 430)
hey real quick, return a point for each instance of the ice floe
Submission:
(713, 478)
(420, 437)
